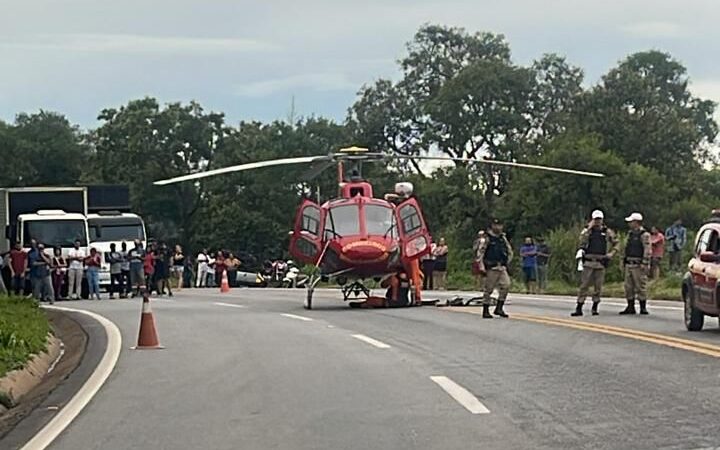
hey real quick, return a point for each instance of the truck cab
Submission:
(54, 228)
(108, 227)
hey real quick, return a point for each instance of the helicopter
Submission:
(356, 236)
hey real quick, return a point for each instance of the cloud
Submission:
(319, 82)
(654, 30)
(135, 43)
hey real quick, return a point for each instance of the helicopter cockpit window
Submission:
(342, 221)
(410, 219)
(380, 220)
(311, 220)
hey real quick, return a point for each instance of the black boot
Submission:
(499, 309)
(643, 307)
(630, 308)
(594, 308)
(578, 310)
(486, 312)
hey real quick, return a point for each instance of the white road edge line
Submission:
(70, 411)
(461, 395)
(293, 316)
(229, 304)
(371, 341)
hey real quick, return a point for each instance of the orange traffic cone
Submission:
(224, 285)
(148, 336)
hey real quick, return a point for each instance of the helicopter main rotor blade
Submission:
(241, 167)
(314, 171)
(503, 163)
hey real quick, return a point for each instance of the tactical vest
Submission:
(597, 242)
(634, 247)
(496, 252)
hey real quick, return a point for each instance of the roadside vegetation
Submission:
(23, 332)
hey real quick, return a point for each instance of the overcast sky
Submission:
(248, 59)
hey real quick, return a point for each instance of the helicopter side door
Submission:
(414, 235)
(305, 243)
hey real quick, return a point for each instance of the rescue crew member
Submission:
(404, 191)
(398, 289)
(595, 240)
(494, 254)
(638, 251)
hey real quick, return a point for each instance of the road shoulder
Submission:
(85, 343)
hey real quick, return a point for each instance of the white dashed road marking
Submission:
(371, 341)
(229, 304)
(461, 395)
(293, 316)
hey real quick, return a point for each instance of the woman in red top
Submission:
(657, 243)
(149, 266)
(92, 262)
(219, 266)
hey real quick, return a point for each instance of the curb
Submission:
(41, 427)
(15, 384)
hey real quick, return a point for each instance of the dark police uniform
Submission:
(599, 242)
(637, 262)
(495, 253)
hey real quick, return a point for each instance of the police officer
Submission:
(494, 255)
(599, 244)
(637, 264)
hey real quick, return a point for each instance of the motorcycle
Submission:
(294, 278)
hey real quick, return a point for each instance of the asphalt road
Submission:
(253, 370)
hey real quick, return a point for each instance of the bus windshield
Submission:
(342, 221)
(115, 230)
(55, 233)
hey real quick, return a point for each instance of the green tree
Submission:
(539, 201)
(42, 149)
(644, 111)
(142, 142)
(558, 89)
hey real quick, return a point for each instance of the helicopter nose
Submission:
(365, 251)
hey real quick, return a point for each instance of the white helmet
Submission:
(404, 189)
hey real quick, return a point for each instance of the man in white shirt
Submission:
(203, 269)
(76, 257)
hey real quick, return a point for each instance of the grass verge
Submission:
(23, 332)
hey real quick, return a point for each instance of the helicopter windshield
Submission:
(342, 221)
(380, 220)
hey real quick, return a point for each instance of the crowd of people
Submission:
(48, 276)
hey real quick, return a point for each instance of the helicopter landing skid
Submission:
(312, 283)
(355, 289)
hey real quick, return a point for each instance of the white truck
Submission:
(58, 216)
(53, 216)
(114, 227)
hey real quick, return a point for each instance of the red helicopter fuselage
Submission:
(357, 236)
